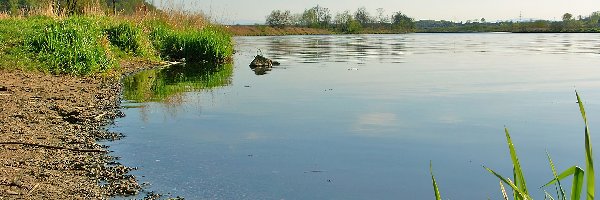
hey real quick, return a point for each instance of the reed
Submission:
(519, 186)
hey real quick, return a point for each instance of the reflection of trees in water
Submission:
(337, 48)
(281, 47)
(316, 49)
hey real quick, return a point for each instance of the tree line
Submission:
(362, 21)
(345, 22)
(569, 23)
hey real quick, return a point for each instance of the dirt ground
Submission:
(49, 128)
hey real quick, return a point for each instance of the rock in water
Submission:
(261, 61)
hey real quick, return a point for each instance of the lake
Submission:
(362, 116)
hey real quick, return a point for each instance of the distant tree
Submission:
(279, 18)
(482, 20)
(593, 20)
(403, 22)
(345, 23)
(316, 17)
(362, 16)
(296, 19)
(323, 16)
(342, 18)
(567, 17)
(381, 18)
(309, 18)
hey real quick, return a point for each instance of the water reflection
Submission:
(321, 49)
(167, 84)
(260, 70)
(361, 49)
(370, 129)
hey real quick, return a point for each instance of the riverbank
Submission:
(49, 136)
(263, 30)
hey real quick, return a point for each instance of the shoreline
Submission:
(265, 30)
(50, 132)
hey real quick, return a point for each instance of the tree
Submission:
(402, 22)
(309, 18)
(323, 16)
(362, 16)
(482, 20)
(345, 23)
(594, 19)
(381, 18)
(279, 18)
(316, 17)
(567, 17)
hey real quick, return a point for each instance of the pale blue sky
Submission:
(251, 11)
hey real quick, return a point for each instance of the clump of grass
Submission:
(75, 45)
(128, 38)
(519, 185)
(209, 44)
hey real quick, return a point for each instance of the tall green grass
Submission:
(129, 38)
(519, 186)
(71, 46)
(83, 45)
(208, 44)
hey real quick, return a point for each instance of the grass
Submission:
(519, 186)
(91, 44)
(208, 44)
(75, 45)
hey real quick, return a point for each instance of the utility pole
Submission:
(520, 16)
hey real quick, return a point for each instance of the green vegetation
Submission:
(568, 24)
(69, 7)
(208, 44)
(519, 185)
(71, 46)
(88, 44)
(359, 21)
(160, 84)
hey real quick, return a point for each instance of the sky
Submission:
(255, 11)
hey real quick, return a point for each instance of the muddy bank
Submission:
(263, 30)
(49, 132)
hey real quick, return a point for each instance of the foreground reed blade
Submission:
(519, 186)
(518, 173)
(589, 162)
(560, 192)
(577, 181)
(435, 187)
(519, 194)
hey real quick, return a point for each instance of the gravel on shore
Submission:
(50, 126)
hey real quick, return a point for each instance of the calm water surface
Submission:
(361, 116)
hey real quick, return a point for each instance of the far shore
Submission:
(265, 30)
